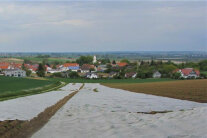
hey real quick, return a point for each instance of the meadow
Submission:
(11, 87)
(192, 90)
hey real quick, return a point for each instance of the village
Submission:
(92, 68)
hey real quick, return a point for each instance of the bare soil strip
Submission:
(25, 129)
(154, 112)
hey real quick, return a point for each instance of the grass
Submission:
(17, 87)
(80, 80)
(192, 90)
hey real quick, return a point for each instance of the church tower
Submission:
(94, 59)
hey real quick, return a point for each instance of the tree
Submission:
(26, 61)
(57, 74)
(54, 67)
(84, 60)
(45, 61)
(28, 72)
(141, 63)
(68, 61)
(23, 67)
(176, 75)
(125, 61)
(167, 70)
(105, 61)
(203, 65)
(73, 74)
(108, 70)
(41, 70)
(152, 63)
(114, 62)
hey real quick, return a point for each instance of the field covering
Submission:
(81, 80)
(114, 113)
(11, 87)
(192, 90)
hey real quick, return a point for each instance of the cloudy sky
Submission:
(57, 26)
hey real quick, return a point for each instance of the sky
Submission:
(77, 26)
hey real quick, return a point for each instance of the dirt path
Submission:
(24, 129)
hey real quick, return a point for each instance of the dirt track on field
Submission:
(25, 129)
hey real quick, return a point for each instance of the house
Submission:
(70, 66)
(101, 68)
(91, 75)
(15, 66)
(112, 74)
(130, 75)
(32, 68)
(14, 73)
(87, 67)
(189, 73)
(157, 74)
(4, 65)
(54, 71)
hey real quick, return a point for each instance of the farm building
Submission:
(130, 75)
(157, 74)
(87, 67)
(14, 73)
(189, 73)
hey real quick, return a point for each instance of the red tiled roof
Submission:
(31, 67)
(70, 64)
(122, 64)
(4, 65)
(87, 67)
(186, 71)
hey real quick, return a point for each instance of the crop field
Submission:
(11, 87)
(50, 60)
(81, 80)
(192, 90)
(16, 60)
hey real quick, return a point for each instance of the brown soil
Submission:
(154, 112)
(25, 129)
(192, 90)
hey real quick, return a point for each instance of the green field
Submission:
(50, 60)
(67, 80)
(11, 87)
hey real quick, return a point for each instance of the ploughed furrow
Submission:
(24, 129)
